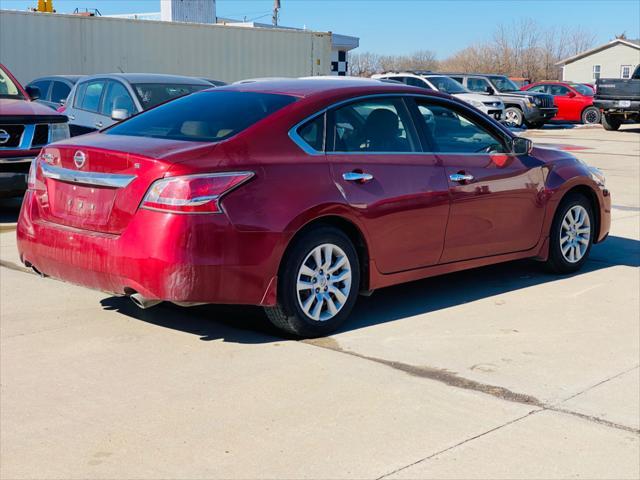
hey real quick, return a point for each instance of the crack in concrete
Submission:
(441, 375)
(466, 440)
(452, 379)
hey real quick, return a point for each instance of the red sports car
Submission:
(298, 195)
(574, 100)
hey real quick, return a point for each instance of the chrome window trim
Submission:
(305, 147)
(110, 180)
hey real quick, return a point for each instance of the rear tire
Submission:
(315, 299)
(571, 235)
(611, 122)
(514, 116)
(590, 116)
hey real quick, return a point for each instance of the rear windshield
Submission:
(203, 117)
(152, 94)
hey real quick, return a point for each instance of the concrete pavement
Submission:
(501, 372)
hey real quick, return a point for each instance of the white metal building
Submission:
(69, 44)
(616, 59)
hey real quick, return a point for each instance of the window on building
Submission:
(625, 71)
(596, 72)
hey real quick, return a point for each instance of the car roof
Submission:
(151, 78)
(308, 87)
(71, 78)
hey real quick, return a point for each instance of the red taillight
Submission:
(192, 193)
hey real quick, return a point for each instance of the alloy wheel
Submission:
(591, 116)
(324, 282)
(575, 234)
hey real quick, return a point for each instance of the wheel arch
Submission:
(349, 228)
(590, 194)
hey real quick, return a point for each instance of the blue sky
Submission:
(404, 26)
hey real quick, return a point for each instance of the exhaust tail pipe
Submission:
(143, 302)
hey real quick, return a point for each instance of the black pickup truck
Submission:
(618, 100)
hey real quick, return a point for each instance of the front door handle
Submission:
(99, 124)
(359, 177)
(460, 177)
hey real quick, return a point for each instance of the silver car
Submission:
(99, 101)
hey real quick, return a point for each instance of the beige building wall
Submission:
(38, 44)
(610, 60)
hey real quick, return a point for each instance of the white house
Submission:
(616, 59)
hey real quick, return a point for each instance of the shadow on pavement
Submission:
(241, 324)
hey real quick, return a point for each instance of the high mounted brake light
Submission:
(192, 193)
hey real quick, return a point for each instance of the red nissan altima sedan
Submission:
(298, 195)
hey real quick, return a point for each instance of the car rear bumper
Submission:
(615, 105)
(169, 257)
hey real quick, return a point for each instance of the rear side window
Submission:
(203, 117)
(312, 133)
(59, 91)
(373, 126)
(416, 82)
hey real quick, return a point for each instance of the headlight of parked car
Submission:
(58, 131)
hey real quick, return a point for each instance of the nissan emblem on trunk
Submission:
(79, 158)
(4, 137)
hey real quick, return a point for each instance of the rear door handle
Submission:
(359, 177)
(460, 177)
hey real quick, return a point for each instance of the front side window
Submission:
(92, 95)
(59, 91)
(117, 97)
(539, 89)
(583, 89)
(478, 85)
(503, 84)
(204, 117)
(558, 90)
(8, 89)
(152, 94)
(374, 126)
(447, 85)
(449, 131)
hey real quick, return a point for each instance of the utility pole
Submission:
(276, 12)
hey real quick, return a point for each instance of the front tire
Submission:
(318, 284)
(611, 122)
(514, 116)
(591, 116)
(572, 234)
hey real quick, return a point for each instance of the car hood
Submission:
(23, 108)
(477, 97)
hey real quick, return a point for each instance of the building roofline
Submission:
(586, 53)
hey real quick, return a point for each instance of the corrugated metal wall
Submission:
(37, 44)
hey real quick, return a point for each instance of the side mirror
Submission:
(571, 94)
(119, 114)
(33, 92)
(521, 146)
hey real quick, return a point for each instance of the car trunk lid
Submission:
(99, 185)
